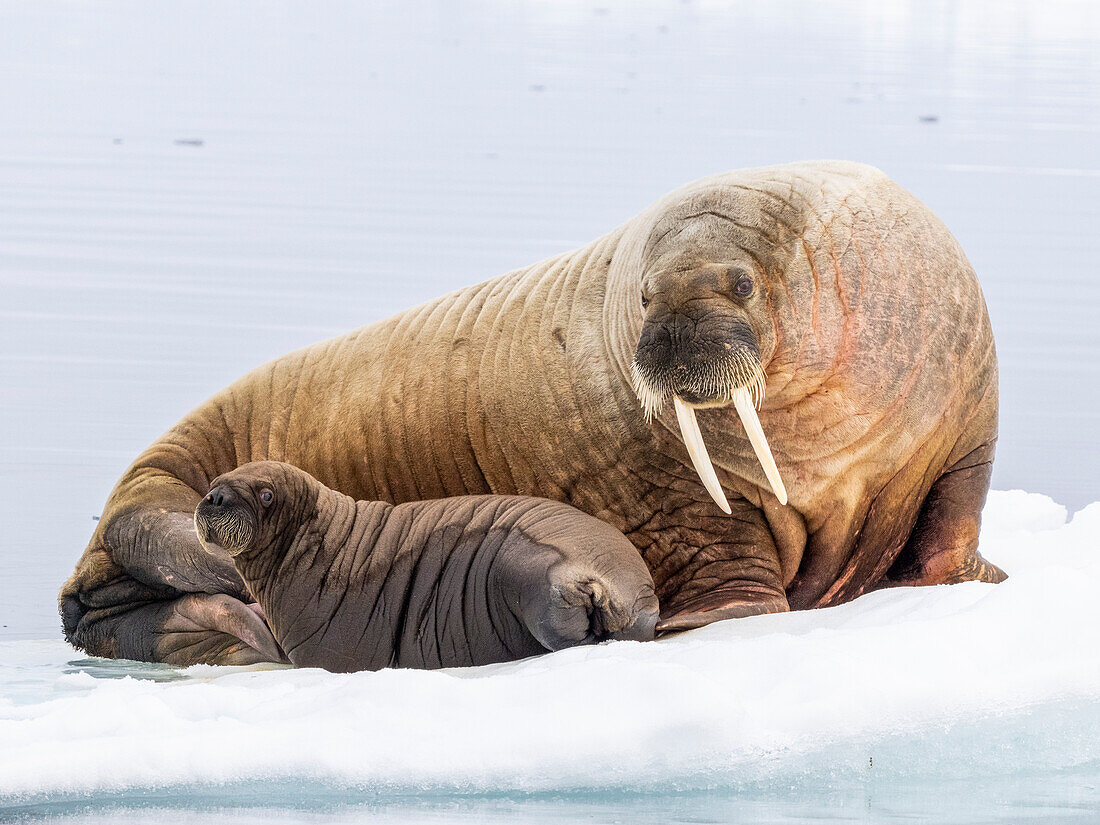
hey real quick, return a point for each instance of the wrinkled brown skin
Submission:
(881, 410)
(454, 582)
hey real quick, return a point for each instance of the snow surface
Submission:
(970, 681)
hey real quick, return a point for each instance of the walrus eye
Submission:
(743, 287)
(645, 301)
(266, 497)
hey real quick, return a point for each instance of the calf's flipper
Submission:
(573, 580)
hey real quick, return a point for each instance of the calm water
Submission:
(189, 189)
(1026, 801)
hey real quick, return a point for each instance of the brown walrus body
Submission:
(854, 305)
(454, 582)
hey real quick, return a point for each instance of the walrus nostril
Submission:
(219, 496)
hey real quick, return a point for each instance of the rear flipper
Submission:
(571, 579)
(723, 603)
(943, 547)
(147, 589)
(197, 628)
(584, 610)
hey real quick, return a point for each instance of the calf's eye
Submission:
(743, 287)
(266, 497)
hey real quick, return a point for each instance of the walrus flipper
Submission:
(189, 630)
(739, 573)
(148, 590)
(943, 547)
(216, 629)
(727, 603)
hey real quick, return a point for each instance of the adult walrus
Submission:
(452, 582)
(823, 286)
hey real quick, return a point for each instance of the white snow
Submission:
(926, 682)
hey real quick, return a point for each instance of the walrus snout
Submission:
(705, 357)
(698, 357)
(223, 518)
(220, 496)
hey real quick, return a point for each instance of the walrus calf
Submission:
(807, 340)
(360, 585)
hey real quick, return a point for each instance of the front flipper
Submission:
(943, 547)
(709, 566)
(197, 628)
(216, 629)
(723, 603)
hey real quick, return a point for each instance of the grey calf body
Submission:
(360, 585)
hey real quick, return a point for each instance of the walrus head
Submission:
(252, 506)
(706, 327)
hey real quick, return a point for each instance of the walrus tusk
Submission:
(742, 401)
(700, 458)
(697, 450)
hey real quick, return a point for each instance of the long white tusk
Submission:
(742, 401)
(697, 450)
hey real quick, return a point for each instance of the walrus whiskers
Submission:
(651, 391)
(227, 530)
